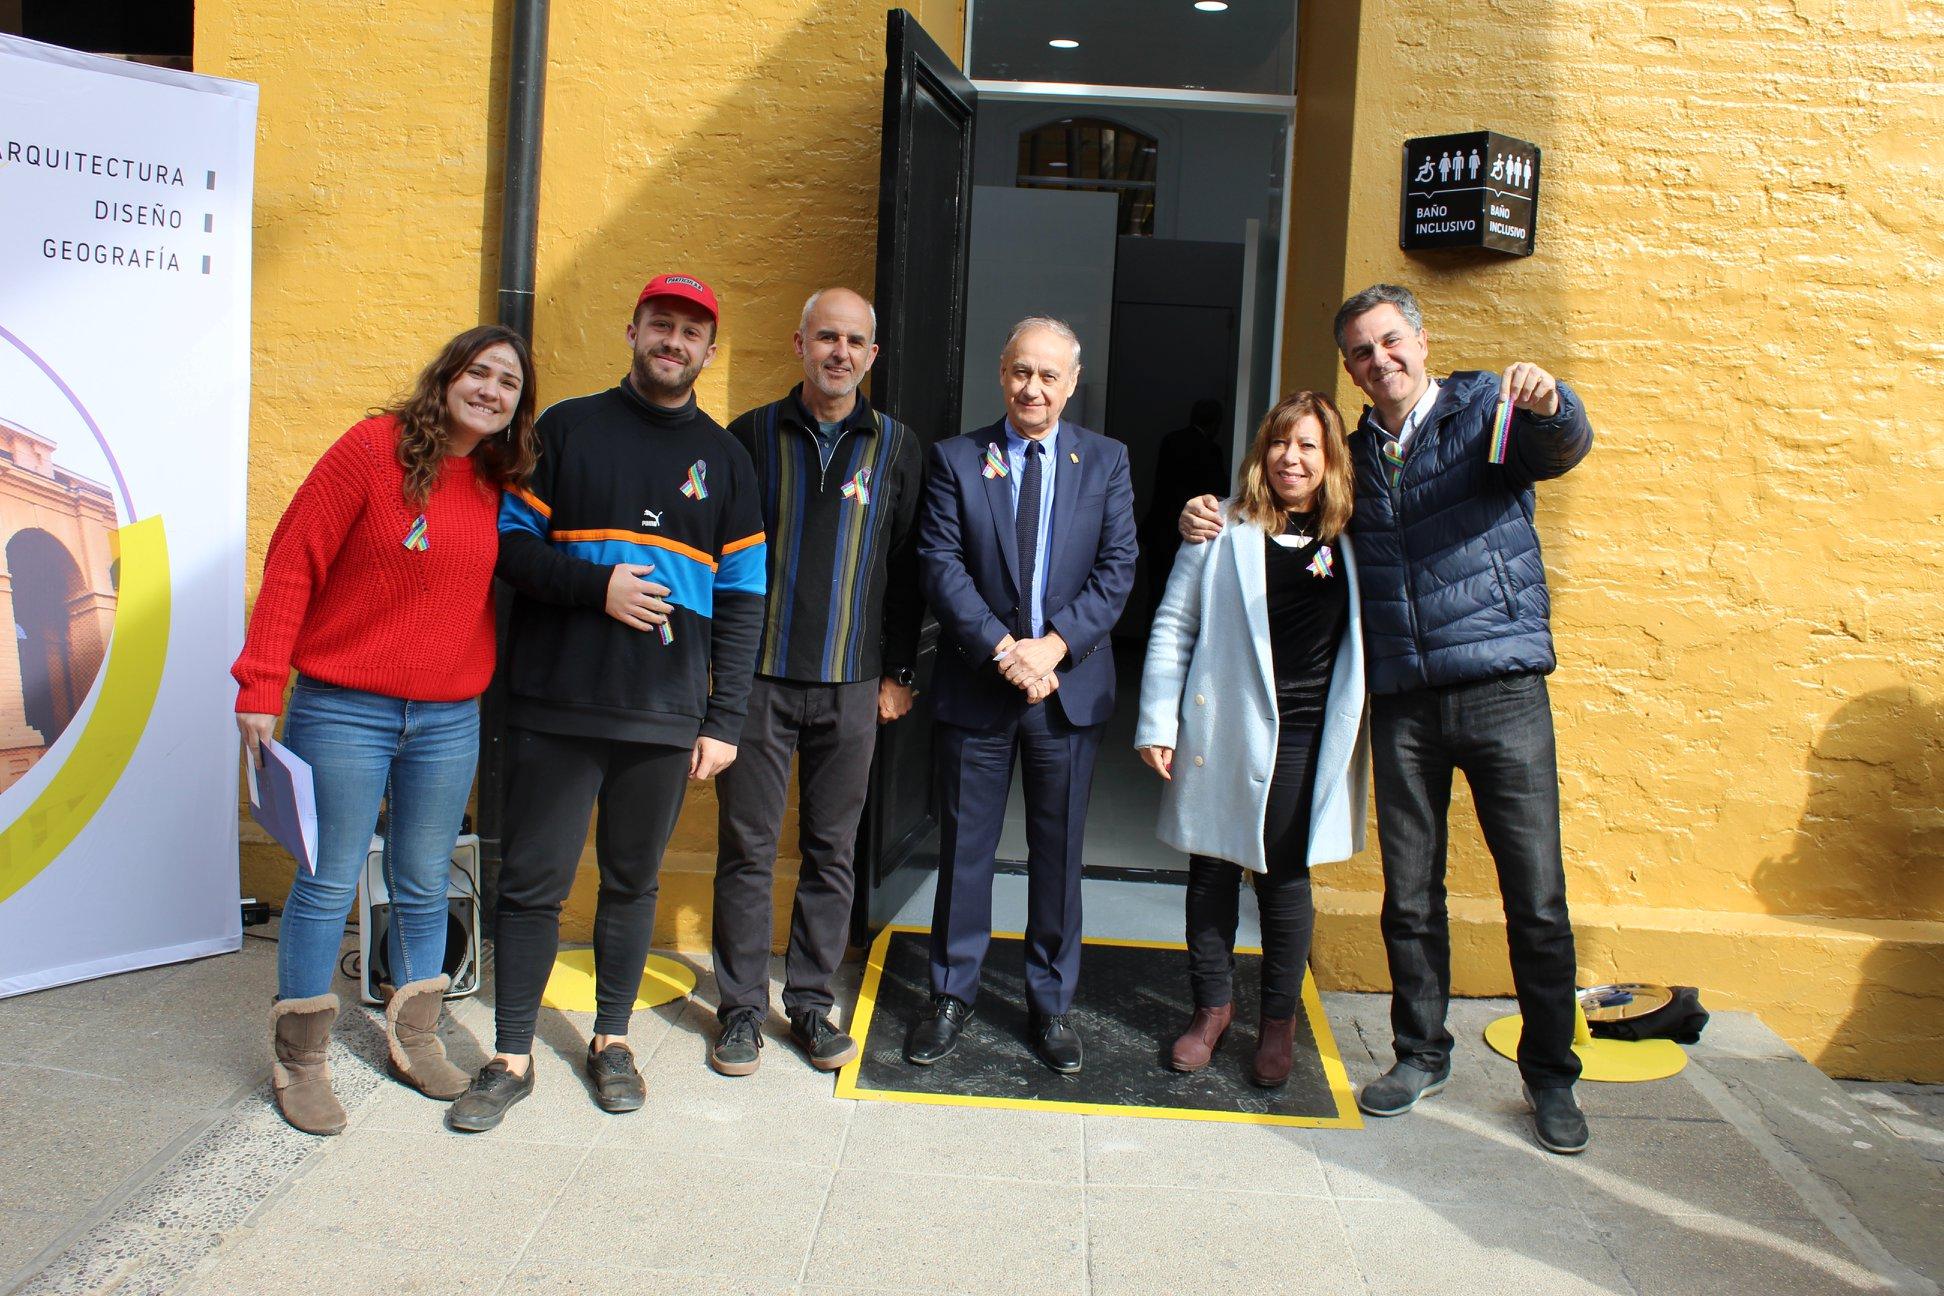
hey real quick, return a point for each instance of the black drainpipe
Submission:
(526, 93)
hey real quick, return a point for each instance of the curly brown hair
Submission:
(506, 459)
(1257, 502)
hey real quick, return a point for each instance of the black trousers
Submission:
(833, 730)
(553, 782)
(1282, 894)
(1500, 734)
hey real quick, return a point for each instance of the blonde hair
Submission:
(1256, 501)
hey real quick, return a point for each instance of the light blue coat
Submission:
(1209, 692)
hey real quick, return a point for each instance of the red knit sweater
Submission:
(346, 602)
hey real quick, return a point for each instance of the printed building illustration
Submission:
(57, 587)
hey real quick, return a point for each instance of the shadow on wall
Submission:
(1870, 848)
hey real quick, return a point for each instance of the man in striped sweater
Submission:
(839, 484)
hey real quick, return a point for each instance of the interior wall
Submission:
(1039, 252)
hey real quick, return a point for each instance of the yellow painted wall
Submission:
(1738, 267)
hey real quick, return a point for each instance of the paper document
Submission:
(284, 801)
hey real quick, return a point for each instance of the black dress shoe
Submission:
(937, 1033)
(1056, 1042)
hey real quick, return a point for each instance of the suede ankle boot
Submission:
(301, 1034)
(1197, 1045)
(415, 1054)
(1273, 1050)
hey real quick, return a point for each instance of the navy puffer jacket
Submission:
(1453, 584)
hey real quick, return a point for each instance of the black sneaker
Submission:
(618, 1086)
(827, 1047)
(1399, 1089)
(1557, 1120)
(486, 1099)
(740, 1046)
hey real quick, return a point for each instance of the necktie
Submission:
(1026, 517)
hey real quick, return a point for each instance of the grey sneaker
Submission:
(739, 1048)
(485, 1101)
(1398, 1089)
(1557, 1119)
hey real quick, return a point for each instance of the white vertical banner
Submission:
(124, 437)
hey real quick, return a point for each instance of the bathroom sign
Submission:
(1479, 189)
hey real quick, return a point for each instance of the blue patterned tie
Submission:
(1026, 524)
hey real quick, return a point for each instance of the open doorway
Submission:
(1143, 201)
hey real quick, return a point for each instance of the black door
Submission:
(924, 233)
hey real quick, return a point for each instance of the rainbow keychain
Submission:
(1501, 432)
(415, 538)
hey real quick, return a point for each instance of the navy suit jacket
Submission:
(969, 566)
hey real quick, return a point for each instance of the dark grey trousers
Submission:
(1500, 733)
(833, 730)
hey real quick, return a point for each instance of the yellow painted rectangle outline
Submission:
(1347, 1116)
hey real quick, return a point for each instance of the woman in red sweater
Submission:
(378, 589)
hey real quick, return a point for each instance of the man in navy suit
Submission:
(1026, 554)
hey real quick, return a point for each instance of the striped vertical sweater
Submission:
(843, 571)
(622, 481)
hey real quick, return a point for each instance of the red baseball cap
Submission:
(686, 287)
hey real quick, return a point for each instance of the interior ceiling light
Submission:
(1211, 6)
(1061, 42)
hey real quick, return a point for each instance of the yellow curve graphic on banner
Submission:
(132, 678)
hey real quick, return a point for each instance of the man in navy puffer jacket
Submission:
(1458, 645)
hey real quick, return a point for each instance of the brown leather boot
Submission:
(300, 1034)
(415, 1054)
(1273, 1049)
(1198, 1043)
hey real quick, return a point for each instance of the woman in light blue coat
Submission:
(1252, 709)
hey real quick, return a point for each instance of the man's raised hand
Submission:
(1530, 388)
(1201, 519)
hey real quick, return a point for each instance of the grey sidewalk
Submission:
(137, 1154)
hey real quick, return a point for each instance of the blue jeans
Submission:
(364, 749)
(1500, 733)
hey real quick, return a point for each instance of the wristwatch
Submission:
(903, 676)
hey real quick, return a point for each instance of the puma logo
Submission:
(650, 518)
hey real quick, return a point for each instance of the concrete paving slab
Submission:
(1022, 1146)
(1136, 1151)
(1442, 1152)
(118, 1260)
(685, 1214)
(1914, 1113)
(938, 1233)
(70, 1136)
(546, 1278)
(1678, 1168)
(263, 1260)
(1796, 1257)
(25, 1233)
(1410, 1249)
(1170, 1241)
(380, 1190)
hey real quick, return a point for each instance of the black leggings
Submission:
(553, 782)
(1282, 894)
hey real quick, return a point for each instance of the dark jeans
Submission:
(1500, 734)
(833, 730)
(1282, 894)
(553, 782)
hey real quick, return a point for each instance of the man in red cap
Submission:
(636, 553)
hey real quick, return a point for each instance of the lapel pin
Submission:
(1074, 455)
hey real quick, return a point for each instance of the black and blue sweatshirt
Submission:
(622, 481)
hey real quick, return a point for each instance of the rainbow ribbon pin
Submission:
(1324, 564)
(415, 538)
(697, 485)
(667, 634)
(859, 487)
(1501, 432)
(995, 463)
(1394, 459)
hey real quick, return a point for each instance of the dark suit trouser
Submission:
(974, 776)
(833, 730)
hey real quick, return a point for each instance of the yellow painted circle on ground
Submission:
(1602, 1059)
(571, 986)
